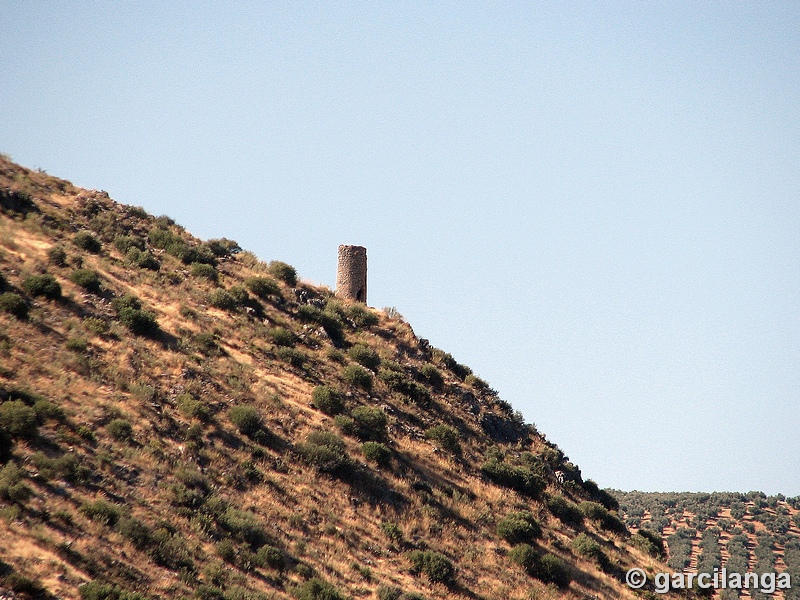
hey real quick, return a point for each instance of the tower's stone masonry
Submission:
(351, 274)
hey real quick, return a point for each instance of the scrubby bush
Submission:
(585, 546)
(521, 479)
(436, 567)
(291, 356)
(42, 285)
(130, 314)
(325, 451)
(600, 514)
(271, 557)
(263, 287)
(223, 247)
(377, 453)
(445, 437)
(329, 322)
(361, 316)
(650, 542)
(18, 419)
(392, 531)
(136, 532)
(57, 256)
(358, 376)
(120, 429)
(86, 241)
(203, 271)
(565, 511)
(397, 381)
(547, 568)
(206, 343)
(518, 527)
(87, 279)
(327, 399)
(281, 336)
(370, 422)
(286, 273)
(102, 511)
(13, 304)
(192, 408)
(12, 484)
(142, 259)
(246, 419)
(124, 243)
(24, 586)
(316, 589)
(432, 376)
(365, 356)
(222, 299)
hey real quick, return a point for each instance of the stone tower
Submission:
(351, 274)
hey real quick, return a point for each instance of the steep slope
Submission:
(182, 420)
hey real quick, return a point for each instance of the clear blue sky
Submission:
(594, 205)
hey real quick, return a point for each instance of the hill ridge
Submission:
(179, 419)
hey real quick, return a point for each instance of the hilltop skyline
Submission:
(594, 207)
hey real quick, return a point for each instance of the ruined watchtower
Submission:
(351, 274)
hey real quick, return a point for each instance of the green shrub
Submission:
(124, 243)
(392, 531)
(650, 542)
(327, 399)
(246, 419)
(327, 320)
(86, 241)
(130, 314)
(42, 285)
(397, 381)
(292, 356)
(12, 485)
(222, 299)
(370, 422)
(435, 566)
(565, 511)
(142, 259)
(56, 256)
(223, 247)
(599, 513)
(206, 343)
(446, 437)
(547, 568)
(87, 279)
(365, 356)
(47, 411)
(316, 589)
(136, 532)
(24, 586)
(377, 453)
(102, 511)
(263, 287)
(286, 273)
(18, 419)
(192, 408)
(13, 304)
(585, 546)
(518, 527)
(281, 336)
(203, 271)
(358, 376)
(325, 451)
(120, 429)
(432, 376)
(361, 316)
(77, 345)
(271, 557)
(521, 479)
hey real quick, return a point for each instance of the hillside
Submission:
(705, 531)
(179, 419)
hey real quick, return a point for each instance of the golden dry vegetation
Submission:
(183, 420)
